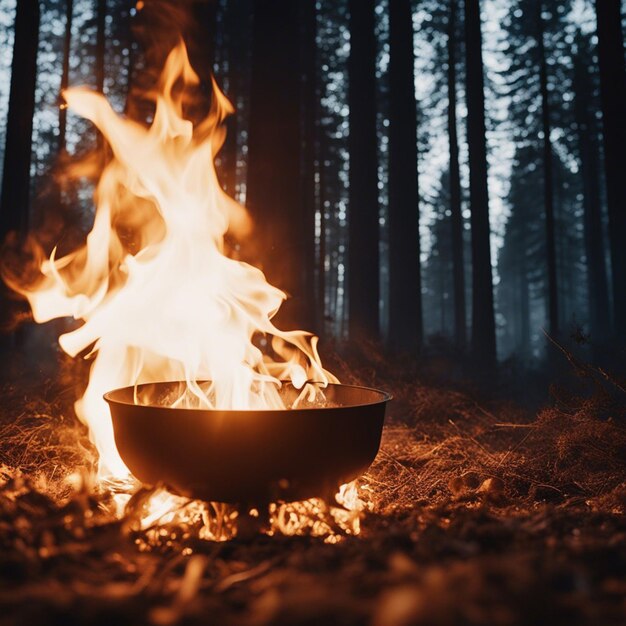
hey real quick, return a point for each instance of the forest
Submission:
(437, 188)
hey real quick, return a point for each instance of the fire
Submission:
(159, 296)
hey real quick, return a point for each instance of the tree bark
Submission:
(548, 181)
(456, 216)
(132, 58)
(69, 13)
(524, 297)
(231, 23)
(15, 195)
(199, 36)
(405, 285)
(483, 321)
(613, 98)
(588, 148)
(57, 193)
(101, 13)
(363, 253)
(309, 101)
(321, 314)
(274, 192)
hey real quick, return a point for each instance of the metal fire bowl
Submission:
(251, 457)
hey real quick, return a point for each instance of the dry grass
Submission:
(484, 513)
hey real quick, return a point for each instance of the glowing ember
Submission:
(159, 296)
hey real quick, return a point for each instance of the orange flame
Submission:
(158, 296)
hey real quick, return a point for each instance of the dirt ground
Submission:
(492, 503)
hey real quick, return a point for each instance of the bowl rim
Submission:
(384, 397)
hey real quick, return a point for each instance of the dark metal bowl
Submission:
(249, 456)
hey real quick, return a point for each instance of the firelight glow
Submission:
(158, 294)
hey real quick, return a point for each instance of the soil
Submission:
(487, 506)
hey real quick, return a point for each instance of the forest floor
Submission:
(485, 509)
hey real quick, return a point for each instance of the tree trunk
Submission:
(524, 297)
(309, 155)
(363, 254)
(15, 196)
(101, 13)
(199, 36)
(588, 149)
(442, 293)
(132, 59)
(322, 251)
(57, 193)
(274, 192)
(456, 216)
(231, 23)
(69, 13)
(483, 321)
(548, 182)
(613, 95)
(405, 288)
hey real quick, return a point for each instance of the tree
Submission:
(588, 148)
(521, 263)
(438, 287)
(67, 42)
(275, 156)
(483, 321)
(199, 33)
(57, 196)
(405, 285)
(15, 195)
(538, 82)
(334, 181)
(456, 230)
(363, 271)
(548, 180)
(101, 12)
(233, 78)
(613, 97)
(309, 161)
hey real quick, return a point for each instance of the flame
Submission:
(158, 295)
(220, 522)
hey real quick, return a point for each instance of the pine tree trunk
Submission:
(565, 297)
(405, 296)
(613, 95)
(363, 255)
(57, 194)
(274, 192)
(231, 23)
(69, 13)
(100, 57)
(15, 195)
(101, 13)
(442, 291)
(200, 40)
(308, 98)
(321, 314)
(524, 298)
(597, 290)
(483, 321)
(548, 182)
(456, 216)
